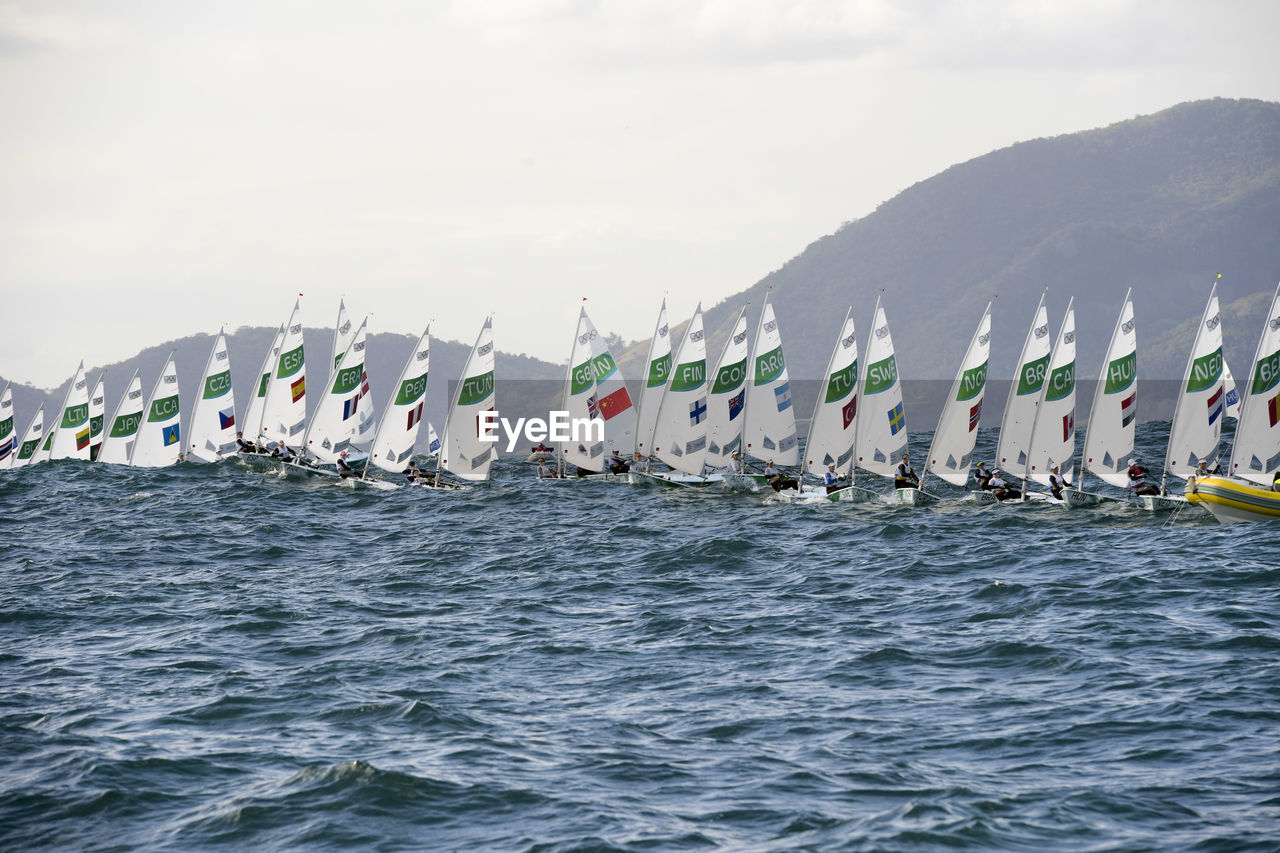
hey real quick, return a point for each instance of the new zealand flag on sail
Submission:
(735, 404)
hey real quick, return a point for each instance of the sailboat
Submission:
(833, 427)
(882, 428)
(336, 424)
(97, 410)
(769, 421)
(1248, 494)
(1024, 395)
(951, 451)
(594, 389)
(159, 440)
(680, 434)
(1053, 433)
(1196, 430)
(725, 406)
(1108, 437)
(6, 428)
(397, 432)
(71, 431)
(657, 371)
(284, 411)
(28, 448)
(468, 449)
(211, 433)
(123, 429)
(252, 427)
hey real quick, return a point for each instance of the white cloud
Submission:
(61, 30)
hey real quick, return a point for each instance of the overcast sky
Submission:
(167, 167)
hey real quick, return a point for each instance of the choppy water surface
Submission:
(202, 658)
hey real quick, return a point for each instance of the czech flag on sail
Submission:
(298, 388)
(227, 417)
(1068, 425)
(170, 434)
(1129, 408)
(896, 419)
(82, 439)
(415, 415)
(615, 404)
(735, 403)
(783, 396)
(1215, 406)
(1273, 410)
(849, 410)
(975, 415)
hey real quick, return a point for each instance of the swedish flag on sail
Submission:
(897, 420)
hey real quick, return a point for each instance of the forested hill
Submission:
(1162, 203)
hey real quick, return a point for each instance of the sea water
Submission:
(213, 657)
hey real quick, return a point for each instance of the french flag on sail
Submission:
(1215, 406)
(349, 406)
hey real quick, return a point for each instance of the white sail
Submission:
(680, 435)
(398, 429)
(46, 446)
(835, 411)
(465, 453)
(122, 429)
(211, 433)
(284, 412)
(159, 440)
(71, 430)
(951, 450)
(343, 333)
(252, 427)
(657, 371)
(579, 400)
(30, 444)
(612, 401)
(1201, 408)
(882, 429)
(1053, 437)
(1232, 396)
(336, 420)
(433, 441)
(97, 410)
(1256, 453)
(1024, 395)
(728, 396)
(1108, 437)
(769, 429)
(8, 440)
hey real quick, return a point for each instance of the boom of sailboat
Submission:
(690, 423)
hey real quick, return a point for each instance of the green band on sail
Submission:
(262, 386)
(73, 416)
(841, 383)
(6, 427)
(95, 427)
(583, 377)
(1120, 373)
(1205, 371)
(411, 390)
(690, 375)
(28, 448)
(770, 365)
(475, 389)
(347, 378)
(972, 381)
(1031, 380)
(1266, 373)
(659, 370)
(1061, 382)
(881, 376)
(217, 385)
(729, 377)
(604, 366)
(126, 425)
(162, 410)
(290, 363)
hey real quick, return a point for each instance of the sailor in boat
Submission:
(831, 478)
(1138, 479)
(344, 469)
(641, 464)
(982, 476)
(244, 446)
(1057, 483)
(541, 448)
(1203, 469)
(617, 465)
(905, 477)
(735, 463)
(777, 479)
(545, 472)
(412, 473)
(1275, 482)
(1000, 487)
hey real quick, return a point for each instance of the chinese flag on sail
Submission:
(616, 403)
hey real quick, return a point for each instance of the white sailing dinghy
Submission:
(1248, 494)
(680, 434)
(71, 431)
(725, 405)
(211, 433)
(466, 452)
(657, 371)
(28, 448)
(124, 424)
(397, 433)
(833, 427)
(433, 441)
(159, 440)
(769, 421)
(7, 437)
(882, 429)
(284, 411)
(1053, 433)
(97, 411)
(336, 424)
(1196, 431)
(1024, 397)
(1108, 437)
(951, 451)
(252, 427)
(594, 389)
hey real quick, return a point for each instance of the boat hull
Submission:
(1163, 503)
(911, 497)
(1230, 500)
(670, 480)
(1076, 499)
